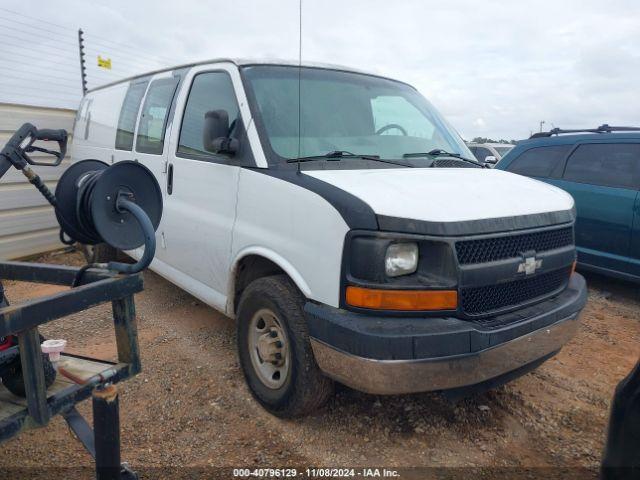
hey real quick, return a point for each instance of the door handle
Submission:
(170, 179)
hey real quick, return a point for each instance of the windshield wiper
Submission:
(438, 152)
(338, 155)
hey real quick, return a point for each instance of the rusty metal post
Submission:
(106, 428)
(124, 319)
(32, 370)
(33, 375)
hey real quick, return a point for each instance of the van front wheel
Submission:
(274, 349)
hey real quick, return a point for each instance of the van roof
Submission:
(240, 62)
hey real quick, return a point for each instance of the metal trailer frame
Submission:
(22, 320)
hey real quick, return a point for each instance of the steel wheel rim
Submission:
(269, 349)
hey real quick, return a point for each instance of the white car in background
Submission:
(489, 153)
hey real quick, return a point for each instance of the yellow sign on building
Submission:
(104, 62)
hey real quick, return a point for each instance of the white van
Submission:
(357, 242)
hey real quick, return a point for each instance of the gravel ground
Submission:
(190, 413)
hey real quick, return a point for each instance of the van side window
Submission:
(129, 115)
(539, 161)
(607, 164)
(209, 91)
(153, 121)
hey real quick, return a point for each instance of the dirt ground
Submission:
(191, 408)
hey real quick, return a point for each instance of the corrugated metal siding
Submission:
(27, 223)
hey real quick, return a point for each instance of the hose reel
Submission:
(120, 205)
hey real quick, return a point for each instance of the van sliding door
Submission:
(151, 134)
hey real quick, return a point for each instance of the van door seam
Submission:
(235, 219)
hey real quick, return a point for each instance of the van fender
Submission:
(269, 254)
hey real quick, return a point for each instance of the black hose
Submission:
(37, 182)
(83, 206)
(63, 240)
(149, 239)
(77, 280)
(149, 245)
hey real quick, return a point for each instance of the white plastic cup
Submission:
(53, 348)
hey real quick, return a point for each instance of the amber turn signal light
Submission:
(417, 300)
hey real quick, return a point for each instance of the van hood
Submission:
(446, 195)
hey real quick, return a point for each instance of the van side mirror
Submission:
(215, 134)
(490, 159)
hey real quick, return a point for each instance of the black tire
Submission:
(306, 389)
(14, 381)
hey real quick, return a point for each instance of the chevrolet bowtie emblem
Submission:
(529, 266)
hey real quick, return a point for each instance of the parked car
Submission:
(338, 258)
(600, 168)
(489, 153)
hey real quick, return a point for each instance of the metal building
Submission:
(27, 223)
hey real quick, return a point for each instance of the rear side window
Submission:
(539, 161)
(129, 115)
(607, 164)
(209, 91)
(153, 121)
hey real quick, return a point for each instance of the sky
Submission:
(493, 68)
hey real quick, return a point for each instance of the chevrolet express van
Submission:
(351, 236)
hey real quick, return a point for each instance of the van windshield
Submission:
(343, 111)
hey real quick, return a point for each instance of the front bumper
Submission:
(394, 355)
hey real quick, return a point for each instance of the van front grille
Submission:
(493, 298)
(499, 248)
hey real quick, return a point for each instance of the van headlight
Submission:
(401, 259)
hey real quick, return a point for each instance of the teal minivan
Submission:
(600, 168)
